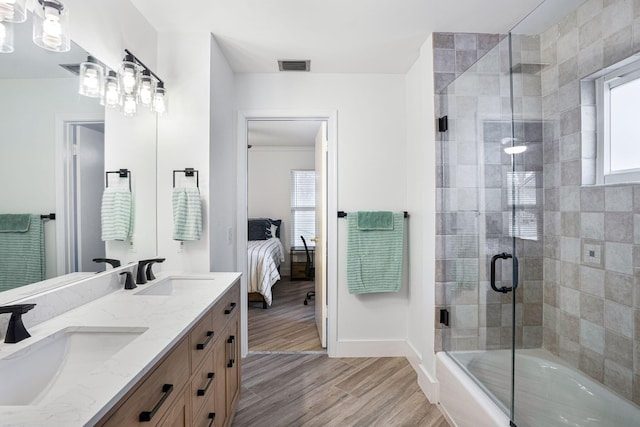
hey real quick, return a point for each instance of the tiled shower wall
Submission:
(592, 233)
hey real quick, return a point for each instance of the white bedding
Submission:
(264, 258)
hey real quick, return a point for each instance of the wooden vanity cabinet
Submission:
(203, 369)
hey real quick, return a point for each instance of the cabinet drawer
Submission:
(178, 414)
(201, 340)
(154, 395)
(203, 383)
(207, 419)
(226, 307)
(297, 271)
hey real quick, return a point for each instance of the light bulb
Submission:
(128, 80)
(6, 37)
(13, 11)
(145, 92)
(129, 106)
(7, 10)
(111, 94)
(51, 31)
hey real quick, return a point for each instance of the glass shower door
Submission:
(477, 234)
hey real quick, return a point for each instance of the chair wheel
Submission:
(305, 302)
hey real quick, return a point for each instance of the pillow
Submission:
(258, 229)
(277, 223)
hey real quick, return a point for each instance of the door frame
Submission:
(64, 152)
(331, 240)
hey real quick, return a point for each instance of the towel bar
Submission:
(343, 214)
(188, 172)
(122, 173)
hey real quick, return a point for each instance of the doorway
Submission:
(266, 201)
(81, 180)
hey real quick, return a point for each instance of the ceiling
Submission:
(338, 36)
(282, 133)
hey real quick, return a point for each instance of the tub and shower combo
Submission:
(535, 288)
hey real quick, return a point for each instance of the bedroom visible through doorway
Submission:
(282, 212)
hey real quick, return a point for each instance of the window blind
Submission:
(303, 206)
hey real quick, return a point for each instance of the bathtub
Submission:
(548, 392)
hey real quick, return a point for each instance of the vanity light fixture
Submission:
(129, 74)
(138, 84)
(91, 78)
(51, 26)
(145, 90)
(160, 99)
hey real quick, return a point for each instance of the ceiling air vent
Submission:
(298, 65)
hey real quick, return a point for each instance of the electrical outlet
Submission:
(230, 235)
(180, 247)
(132, 244)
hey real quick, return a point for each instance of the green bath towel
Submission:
(375, 220)
(14, 223)
(21, 253)
(374, 257)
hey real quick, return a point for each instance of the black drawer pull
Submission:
(212, 417)
(206, 342)
(232, 351)
(146, 416)
(203, 391)
(232, 307)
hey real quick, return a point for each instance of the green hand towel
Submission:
(14, 223)
(187, 214)
(374, 257)
(117, 214)
(375, 220)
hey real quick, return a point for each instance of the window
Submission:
(618, 103)
(303, 206)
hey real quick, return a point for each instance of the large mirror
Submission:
(55, 148)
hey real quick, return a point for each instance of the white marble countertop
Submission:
(166, 319)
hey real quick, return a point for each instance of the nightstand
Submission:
(298, 258)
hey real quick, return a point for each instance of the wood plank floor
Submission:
(294, 390)
(288, 324)
(281, 389)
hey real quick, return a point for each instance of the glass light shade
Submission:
(111, 92)
(129, 76)
(160, 99)
(13, 11)
(129, 105)
(51, 26)
(146, 88)
(6, 37)
(91, 78)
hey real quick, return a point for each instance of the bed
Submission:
(265, 252)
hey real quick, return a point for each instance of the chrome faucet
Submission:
(16, 331)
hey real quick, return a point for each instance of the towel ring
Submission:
(188, 172)
(122, 173)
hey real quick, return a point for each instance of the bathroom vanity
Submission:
(164, 354)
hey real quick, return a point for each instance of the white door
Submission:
(89, 177)
(321, 233)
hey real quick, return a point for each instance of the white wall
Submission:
(27, 149)
(183, 141)
(371, 176)
(269, 186)
(421, 201)
(222, 163)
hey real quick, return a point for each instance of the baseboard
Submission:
(365, 348)
(428, 384)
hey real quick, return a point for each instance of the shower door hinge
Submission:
(444, 316)
(443, 124)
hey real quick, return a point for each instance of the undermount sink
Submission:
(45, 369)
(172, 286)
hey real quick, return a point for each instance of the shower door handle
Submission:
(504, 289)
